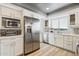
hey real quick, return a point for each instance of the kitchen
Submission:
(25, 31)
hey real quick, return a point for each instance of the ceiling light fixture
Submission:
(47, 8)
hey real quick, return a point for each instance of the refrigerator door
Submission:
(28, 41)
(36, 41)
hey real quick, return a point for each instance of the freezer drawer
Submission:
(28, 44)
(36, 41)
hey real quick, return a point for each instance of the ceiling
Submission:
(42, 7)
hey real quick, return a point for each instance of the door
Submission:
(28, 40)
(36, 42)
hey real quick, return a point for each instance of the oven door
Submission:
(12, 24)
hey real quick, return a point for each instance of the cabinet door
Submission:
(63, 22)
(50, 23)
(0, 47)
(51, 38)
(59, 41)
(68, 42)
(54, 23)
(17, 14)
(75, 42)
(4, 11)
(45, 37)
(19, 45)
(77, 18)
(7, 47)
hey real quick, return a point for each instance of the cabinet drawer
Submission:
(67, 38)
(67, 42)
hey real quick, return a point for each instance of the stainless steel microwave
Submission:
(10, 23)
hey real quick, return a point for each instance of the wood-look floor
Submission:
(48, 50)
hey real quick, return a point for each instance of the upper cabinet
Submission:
(46, 25)
(10, 13)
(55, 23)
(74, 20)
(59, 22)
(63, 22)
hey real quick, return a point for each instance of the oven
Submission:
(10, 32)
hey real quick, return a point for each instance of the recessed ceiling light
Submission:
(47, 8)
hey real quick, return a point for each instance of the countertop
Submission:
(70, 34)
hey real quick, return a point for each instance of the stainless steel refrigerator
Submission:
(31, 36)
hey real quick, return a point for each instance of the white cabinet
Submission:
(77, 18)
(74, 19)
(7, 47)
(59, 22)
(11, 13)
(51, 38)
(19, 45)
(45, 37)
(6, 12)
(17, 14)
(63, 22)
(11, 46)
(55, 23)
(59, 40)
(68, 42)
(50, 23)
(75, 42)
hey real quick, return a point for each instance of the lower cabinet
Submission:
(11, 46)
(51, 38)
(18, 46)
(7, 47)
(75, 42)
(67, 42)
(59, 41)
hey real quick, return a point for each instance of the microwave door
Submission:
(8, 23)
